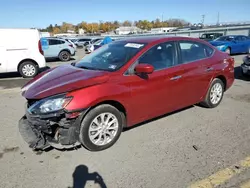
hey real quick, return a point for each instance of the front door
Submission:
(156, 93)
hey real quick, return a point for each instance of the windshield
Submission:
(95, 40)
(110, 57)
(225, 38)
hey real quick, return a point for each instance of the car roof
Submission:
(57, 38)
(235, 36)
(150, 39)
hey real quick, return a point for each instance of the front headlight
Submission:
(221, 47)
(51, 104)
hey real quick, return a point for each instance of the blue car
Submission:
(232, 44)
(57, 48)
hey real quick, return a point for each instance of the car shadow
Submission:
(81, 176)
(159, 117)
(238, 74)
(51, 60)
(238, 54)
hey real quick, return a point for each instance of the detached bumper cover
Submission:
(32, 136)
(41, 132)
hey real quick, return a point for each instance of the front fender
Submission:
(91, 96)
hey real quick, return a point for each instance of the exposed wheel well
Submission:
(223, 79)
(27, 60)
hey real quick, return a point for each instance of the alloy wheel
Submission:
(103, 129)
(216, 93)
(28, 70)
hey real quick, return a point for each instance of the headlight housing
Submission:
(221, 47)
(49, 105)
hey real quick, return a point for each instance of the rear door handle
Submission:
(209, 69)
(175, 78)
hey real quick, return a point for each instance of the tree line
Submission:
(104, 27)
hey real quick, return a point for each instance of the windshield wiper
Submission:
(90, 68)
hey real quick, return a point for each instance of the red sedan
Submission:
(119, 85)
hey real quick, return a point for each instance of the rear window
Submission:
(194, 51)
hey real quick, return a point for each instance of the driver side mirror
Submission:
(144, 69)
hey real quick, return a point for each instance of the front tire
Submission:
(64, 56)
(215, 94)
(28, 69)
(101, 128)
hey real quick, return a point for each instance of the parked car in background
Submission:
(232, 44)
(210, 36)
(245, 66)
(21, 51)
(58, 48)
(71, 42)
(122, 84)
(92, 46)
(82, 42)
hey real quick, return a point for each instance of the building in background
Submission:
(81, 31)
(163, 29)
(127, 30)
(45, 34)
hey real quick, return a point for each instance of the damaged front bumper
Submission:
(59, 130)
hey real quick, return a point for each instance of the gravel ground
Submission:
(176, 150)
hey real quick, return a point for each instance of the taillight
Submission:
(229, 60)
(71, 45)
(40, 47)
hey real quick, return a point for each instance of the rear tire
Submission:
(215, 94)
(28, 69)
(64, 56)
(96, 135)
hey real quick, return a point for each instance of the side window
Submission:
(160, 56)
(208, 51)
(54, 42)
(239, 38)
(194, 51)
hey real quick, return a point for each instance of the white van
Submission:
(21, 51)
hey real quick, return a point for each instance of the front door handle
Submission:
(175, 78)
(209, 69)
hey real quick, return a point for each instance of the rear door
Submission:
(246, 44)
(239, 45)
(54, 48)
(198, 70)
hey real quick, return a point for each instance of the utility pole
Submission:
(162, 21)
(203, 19)
(218, 18)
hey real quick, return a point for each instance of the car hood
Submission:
(62, 79)
(218, 43)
